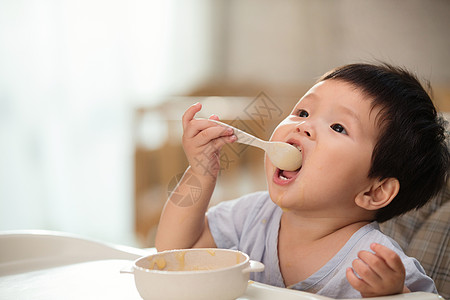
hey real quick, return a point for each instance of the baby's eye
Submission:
(339, 128)
(302, 113)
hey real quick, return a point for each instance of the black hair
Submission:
(411, 145)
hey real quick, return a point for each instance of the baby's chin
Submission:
(278, 199)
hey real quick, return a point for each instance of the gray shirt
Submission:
(251, 223)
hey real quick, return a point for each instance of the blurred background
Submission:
(92, 93)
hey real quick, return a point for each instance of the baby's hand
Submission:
(202, 141)
(381, 273)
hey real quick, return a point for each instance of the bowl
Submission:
(202, 273)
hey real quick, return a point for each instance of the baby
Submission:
(373, 148)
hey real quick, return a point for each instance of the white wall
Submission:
(71, 74)
(291, 42)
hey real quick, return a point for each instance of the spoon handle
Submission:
(244, 137)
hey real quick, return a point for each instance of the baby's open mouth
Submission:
(283, 176)
(287, 175)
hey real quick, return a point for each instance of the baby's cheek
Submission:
(279, 130)
(268, 166)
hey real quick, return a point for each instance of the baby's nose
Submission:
(304, 129)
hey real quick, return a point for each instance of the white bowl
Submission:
(201, 273)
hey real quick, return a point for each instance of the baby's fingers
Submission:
(190, 113)
(357, 283)
(364, 269)
(376, 264)
(391, 259)
(203, 131)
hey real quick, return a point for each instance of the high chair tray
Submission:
(48, 265)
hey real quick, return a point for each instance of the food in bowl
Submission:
(202, 273)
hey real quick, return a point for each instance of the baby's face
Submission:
(335, 127)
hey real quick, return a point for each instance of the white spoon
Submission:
(283, 155)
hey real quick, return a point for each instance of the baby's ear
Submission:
(379, 194)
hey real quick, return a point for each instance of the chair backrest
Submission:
(425, 235)
(28, 250)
